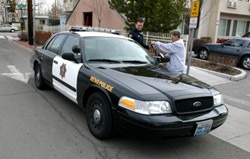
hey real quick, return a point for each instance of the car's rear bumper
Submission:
(167, 125)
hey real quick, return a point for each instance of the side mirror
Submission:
(76, 49)
(68, 56)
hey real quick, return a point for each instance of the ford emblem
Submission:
(197, 104)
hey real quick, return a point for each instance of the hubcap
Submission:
(97, 116)
(246, 63)
(203, 54)
(38, 75)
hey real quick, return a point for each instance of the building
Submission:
(95, 13)
(224, 18)
(40, 22)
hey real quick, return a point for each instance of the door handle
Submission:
(55, 62)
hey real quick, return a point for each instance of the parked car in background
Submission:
(237, 47)
(8, 28)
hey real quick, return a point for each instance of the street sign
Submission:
(21, 6)
(193, 22)
(195, 9)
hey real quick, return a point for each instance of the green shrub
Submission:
(198, 42)
(226, 60)
(42, 37)
(23, 36)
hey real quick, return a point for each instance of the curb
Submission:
(23, 43)
(238, 77)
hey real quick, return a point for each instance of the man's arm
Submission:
(138, 38)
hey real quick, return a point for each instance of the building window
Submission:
(224, 28)
(42, 22)
(87, 18)
(239, 28)
(230, 27)
(247, 27)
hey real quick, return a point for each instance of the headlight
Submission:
(218, 100)
(145, 107)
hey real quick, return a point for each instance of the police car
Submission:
(123, 88)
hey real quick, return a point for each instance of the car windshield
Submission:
(106, 49)
(235, 42)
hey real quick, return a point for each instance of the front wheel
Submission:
(98, 114)
(245, 62)
(203, 54)
(39, 80)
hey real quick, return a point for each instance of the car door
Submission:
(65, 72)
(233, 47)
(2, 27)
(50, 51)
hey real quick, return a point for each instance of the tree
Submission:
(11, 9)
(160, 15)
(57, 9)
(12, 4)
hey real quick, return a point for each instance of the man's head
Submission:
(139, 24)
(175, 35)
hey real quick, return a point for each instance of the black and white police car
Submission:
(123, 88)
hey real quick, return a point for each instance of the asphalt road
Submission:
(44, 124)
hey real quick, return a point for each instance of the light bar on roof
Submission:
(84, 28)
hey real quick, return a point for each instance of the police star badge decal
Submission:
(63, 70)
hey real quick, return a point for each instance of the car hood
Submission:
(149, 81)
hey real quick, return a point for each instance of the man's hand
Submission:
(152, 42)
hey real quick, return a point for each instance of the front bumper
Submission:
(166, 125)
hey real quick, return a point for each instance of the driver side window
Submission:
(69, 43)
(55, 43)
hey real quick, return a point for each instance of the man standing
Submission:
(176, 51)
(136, 35)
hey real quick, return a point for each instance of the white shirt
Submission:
(177, 53)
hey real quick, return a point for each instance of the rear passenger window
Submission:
(55, 43)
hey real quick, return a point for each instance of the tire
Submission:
(99, 118)
(39, 80)
(12, 30)
(203, 54)
(245, 62)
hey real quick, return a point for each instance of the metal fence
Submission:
(162, 37)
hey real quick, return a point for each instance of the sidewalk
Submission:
(214, 78)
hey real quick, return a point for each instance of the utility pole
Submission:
(55, 10)
(193, 24)
(30, 22)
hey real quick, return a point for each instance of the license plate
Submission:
(203, 127)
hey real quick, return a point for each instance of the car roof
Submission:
(241, 38)
(102, 34)
(95, 34)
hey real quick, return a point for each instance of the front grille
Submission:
(187, 106)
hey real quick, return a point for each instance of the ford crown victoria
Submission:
(123, 88)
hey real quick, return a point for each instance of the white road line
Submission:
(15, 74)
(236, 129)
(10, 37)
(236, 100)
(2, 37)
